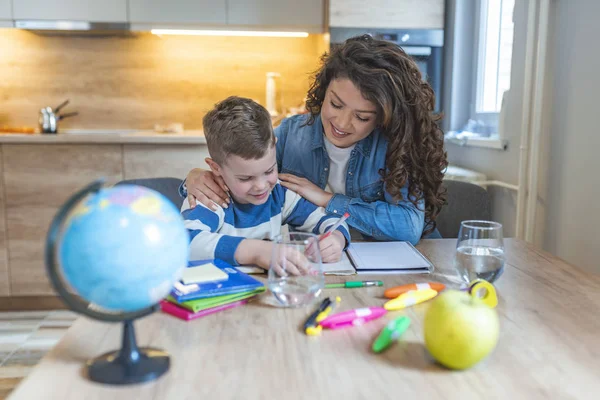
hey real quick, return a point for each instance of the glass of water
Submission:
(296, 272)
(480, 251)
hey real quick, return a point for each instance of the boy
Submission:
(241, 145)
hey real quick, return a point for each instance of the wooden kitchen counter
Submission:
(40, 172)
(106, 137)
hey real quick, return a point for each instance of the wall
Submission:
(139, 80)
(574, 185)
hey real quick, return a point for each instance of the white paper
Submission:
(342, 267)
(251, 269)
(388, 257)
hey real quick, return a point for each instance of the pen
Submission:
(394, 292)
(335, 226)
(410, 299)
(355, 317)
(312, 319)
(315, 329)
(390, 333)
(353, 284)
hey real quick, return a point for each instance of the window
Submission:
(495, 42)
(479, 71)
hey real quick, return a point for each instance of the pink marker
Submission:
(335, 226)
(355, 317)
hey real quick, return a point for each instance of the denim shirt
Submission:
(301, 151)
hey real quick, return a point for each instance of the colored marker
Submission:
(355, 317)
(315, 328)
(353, 284)
(335, 226)
(394, 292)
(312, 318)
(410, 299)
(390, 333)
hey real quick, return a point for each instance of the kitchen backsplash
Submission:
(137, 81)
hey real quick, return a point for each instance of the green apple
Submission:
(460, 330)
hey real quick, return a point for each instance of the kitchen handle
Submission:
(71, 114)
(64, 103)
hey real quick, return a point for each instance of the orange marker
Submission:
(394, 292)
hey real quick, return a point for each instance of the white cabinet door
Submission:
(5, 10)
(72, 10)
(177, 11)
(306, 14)
(404, 14)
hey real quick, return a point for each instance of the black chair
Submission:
(465, 201)
(169, 187)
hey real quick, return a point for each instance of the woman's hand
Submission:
(206, 187)
(306, 189)
(332, 246)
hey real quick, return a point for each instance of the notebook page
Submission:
(251, 269)
(388, 256)
(342, 267)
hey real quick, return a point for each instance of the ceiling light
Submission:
(193, 32)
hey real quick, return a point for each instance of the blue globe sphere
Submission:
(122, 248)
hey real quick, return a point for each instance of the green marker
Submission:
(353, 284)
(390, 333)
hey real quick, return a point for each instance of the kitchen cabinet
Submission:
(4, 281)
(178, 11)
(38, 179)
(6, 14)
(5, 10)
(74, 10)
(306, 15)
(401, 14)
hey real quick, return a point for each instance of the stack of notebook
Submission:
(210, 286)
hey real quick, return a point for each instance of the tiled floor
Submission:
(25, 337)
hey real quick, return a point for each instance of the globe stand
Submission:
(130, 364)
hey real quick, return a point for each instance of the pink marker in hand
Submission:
(355, 317)
(335, 226)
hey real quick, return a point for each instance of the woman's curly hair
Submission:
(388, 77)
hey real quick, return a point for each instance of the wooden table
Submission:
(548, 347)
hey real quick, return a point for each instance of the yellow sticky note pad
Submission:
(203, 273)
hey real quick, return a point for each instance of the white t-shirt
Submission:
(338, 166)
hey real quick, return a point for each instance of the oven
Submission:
(424, 45)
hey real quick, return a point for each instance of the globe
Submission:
(123, 248)
(113, 253)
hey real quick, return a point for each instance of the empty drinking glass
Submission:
(480, 251)
(296, 272)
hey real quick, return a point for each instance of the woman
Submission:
(369, 146)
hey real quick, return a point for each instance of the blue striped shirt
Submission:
(217, 234)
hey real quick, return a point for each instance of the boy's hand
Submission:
(332, 246)
(289, 261)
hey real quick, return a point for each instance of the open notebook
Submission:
(388, 257)
(373, 258)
